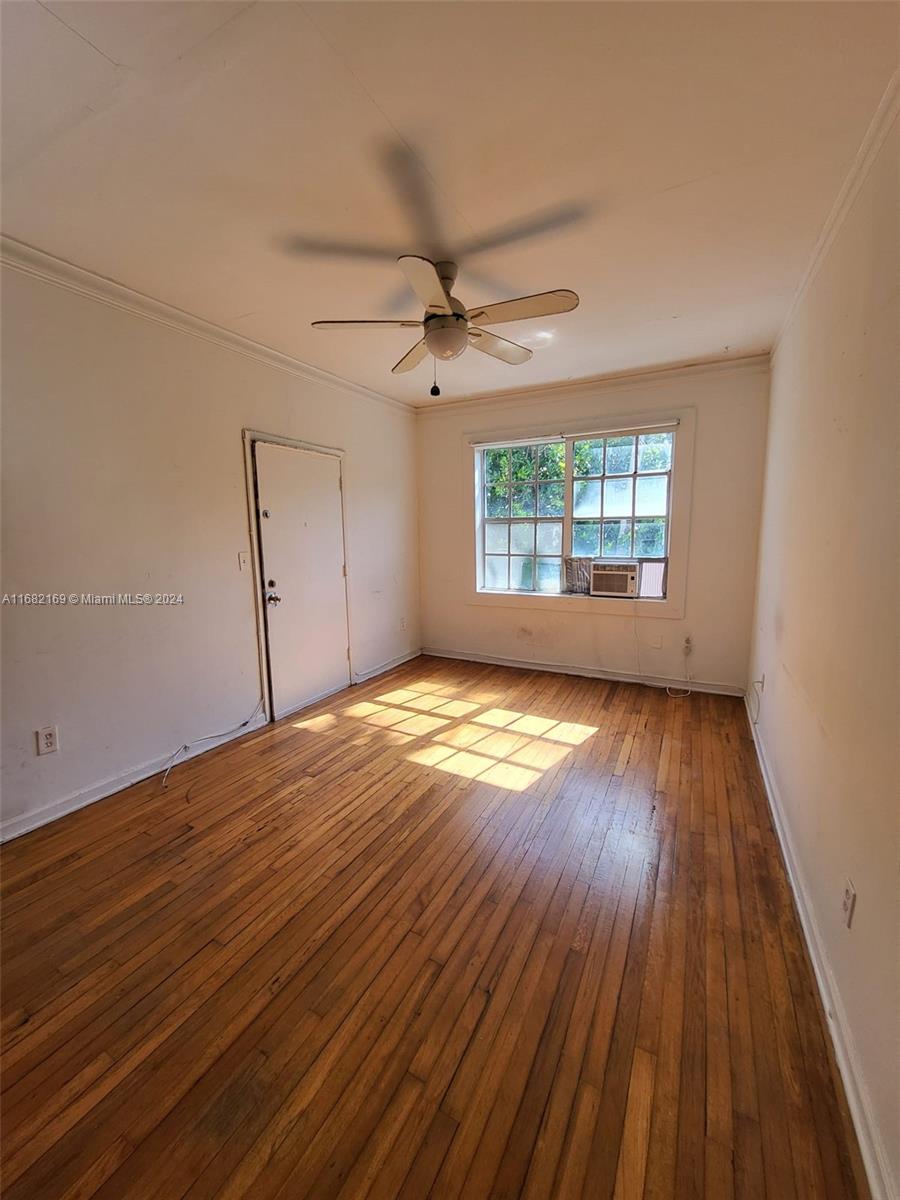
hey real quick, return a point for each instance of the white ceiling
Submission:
(682, 157)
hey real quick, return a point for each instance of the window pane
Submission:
(587, 498)
(552, 461)
(654, 451)
(617, 498)
(588, 457)
(496, 538)
(586, 538)
(650, 496)
(521, 538)
(523, 500)
(619, 455)
(496, 501)
(523, 462)
(650, 536)
(548, 574)
(551, 499)
(549, 537)
(616, 539)
(521, 574)
(496, 571)
(496, 466)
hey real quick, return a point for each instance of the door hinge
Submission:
(348, 654)
(344, 570)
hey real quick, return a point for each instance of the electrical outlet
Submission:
(403, 623)
(688, 646)
(849, 902)
(656, 642)
(48, 739)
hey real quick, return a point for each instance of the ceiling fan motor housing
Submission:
(446, 336)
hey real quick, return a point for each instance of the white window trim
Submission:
(673, 606)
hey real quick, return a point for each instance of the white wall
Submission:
(828, 721)
(123, 471)
(729, 404)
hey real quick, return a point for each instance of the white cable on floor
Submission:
(675, 693)
(682, 693)
(210, 737)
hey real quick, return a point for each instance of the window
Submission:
(588, 497)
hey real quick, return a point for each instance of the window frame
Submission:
(682, 422)
(534, 521)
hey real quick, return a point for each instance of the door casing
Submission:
(251, 436)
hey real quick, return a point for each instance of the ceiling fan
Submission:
(448, 328)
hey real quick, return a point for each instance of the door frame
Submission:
(250, 438)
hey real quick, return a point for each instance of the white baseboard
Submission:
(874, 1156)
(696, 685)
(24, 823)
(362, 676)
(14, 827)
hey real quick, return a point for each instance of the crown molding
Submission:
(880, 126)
(618, 380)
(39, 265)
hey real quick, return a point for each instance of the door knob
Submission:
(272, 598)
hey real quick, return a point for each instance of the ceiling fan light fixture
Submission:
(448, 328)
(446, 337)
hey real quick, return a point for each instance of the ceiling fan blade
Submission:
(405, 169)
(367, 324)
(411, 358)
(544, 304)
(334, 248)
(421, 275)
(546, 221)
(498, 347)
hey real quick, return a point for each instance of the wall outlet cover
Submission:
(48, 739)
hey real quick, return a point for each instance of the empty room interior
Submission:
(450, 600)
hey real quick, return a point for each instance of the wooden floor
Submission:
(462, 931)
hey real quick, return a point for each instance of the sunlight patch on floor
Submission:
(498, 716)
(570, 733)
(401, 696)
(462, 736)
(430, 756)
(499, 746)
(457, 708)
(505, 775)
(426, 703)
(317, 724)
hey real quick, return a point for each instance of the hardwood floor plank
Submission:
(460, 931)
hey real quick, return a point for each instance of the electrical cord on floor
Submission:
(210, 737)
(683, 693)
(675, 693)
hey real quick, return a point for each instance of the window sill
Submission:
(569, 602)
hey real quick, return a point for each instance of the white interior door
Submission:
(301, 533)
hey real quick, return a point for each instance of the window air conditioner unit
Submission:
(614, 578)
